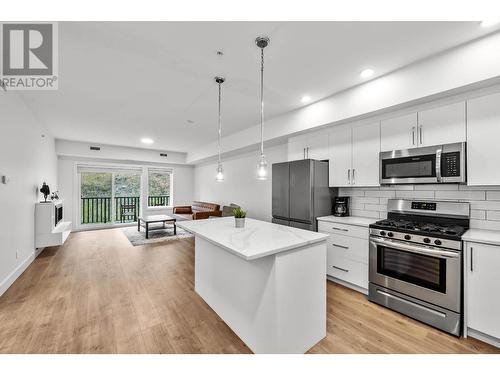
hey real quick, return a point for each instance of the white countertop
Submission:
(491, 237)
(258, 239)
(349, 220)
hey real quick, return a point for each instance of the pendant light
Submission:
(262, 43)
(219, 177)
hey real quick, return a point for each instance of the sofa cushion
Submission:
(205, 206)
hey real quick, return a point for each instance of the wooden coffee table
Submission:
(144, 222)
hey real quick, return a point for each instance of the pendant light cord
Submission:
(220, 128)
(262, 102)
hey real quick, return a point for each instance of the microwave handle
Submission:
(438, 163)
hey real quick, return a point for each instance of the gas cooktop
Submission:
(449, 220)
(423, 228)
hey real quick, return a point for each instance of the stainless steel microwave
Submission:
(424, 165)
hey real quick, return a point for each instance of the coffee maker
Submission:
(341, 206)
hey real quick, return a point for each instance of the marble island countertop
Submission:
(258, 239)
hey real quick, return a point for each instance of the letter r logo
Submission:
(27, 49)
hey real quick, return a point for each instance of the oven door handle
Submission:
(428, 250)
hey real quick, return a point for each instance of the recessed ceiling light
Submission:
(367, 73)
(488, 23)
(305, 99)
(147, 141)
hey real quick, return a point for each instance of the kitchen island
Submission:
(266, 281)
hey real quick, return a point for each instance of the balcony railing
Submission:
(99, 210)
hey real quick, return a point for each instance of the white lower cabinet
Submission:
(347, 254)
(482, 291)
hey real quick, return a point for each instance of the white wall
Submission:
(476, 63)
(183, 183)
(240, 185)
(28, 159)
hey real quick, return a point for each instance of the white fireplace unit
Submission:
(51, 229)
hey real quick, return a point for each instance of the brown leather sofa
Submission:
(197, 211)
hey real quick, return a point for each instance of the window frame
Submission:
(170, 172)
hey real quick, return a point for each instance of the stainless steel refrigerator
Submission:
(301, 193)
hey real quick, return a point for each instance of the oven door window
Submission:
(409, 167)
(422, 270)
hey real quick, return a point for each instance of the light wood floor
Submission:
(99, 294)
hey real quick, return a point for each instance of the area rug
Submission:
(158, 235)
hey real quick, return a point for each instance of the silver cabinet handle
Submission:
(420, 134)
(307, 152)
(471, 259)
(340, 269)
(438, 164)
(349, 176)
(413, 135)
(304, 153)
(341, 246)
(342, 229)
(353, 178)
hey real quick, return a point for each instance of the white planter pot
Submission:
(239, 222)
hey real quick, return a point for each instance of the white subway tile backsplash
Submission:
(490, 215)
(364, 213)
(484, 188)
(375, 207)
(478, 214)
(415, 194)
(368, 200)
(397, 187)
(437, 187)
(485, 224)
(380, 193)
(493, 195)
(461, 195)
(485, 205)
(484, 200)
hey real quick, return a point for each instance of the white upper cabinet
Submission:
(309, 146)
(442, 125)
(317, 146)
(365, 155)
(354, 155)
(340, 155)
(483, 133)
(296, 148)
(482, 285)
(399, 133)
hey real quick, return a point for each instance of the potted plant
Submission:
(239, 217)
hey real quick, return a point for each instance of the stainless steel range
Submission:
(416, 261)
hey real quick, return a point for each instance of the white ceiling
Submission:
(120, 81)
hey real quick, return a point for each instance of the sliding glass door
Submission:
(109, 196)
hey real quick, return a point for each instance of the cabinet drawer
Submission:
(343, 229)
(347, 270)
(352, 248)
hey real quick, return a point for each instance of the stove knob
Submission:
(437, 242)
(427, 240)
(407, 237)
(382, 233)
(390, 234)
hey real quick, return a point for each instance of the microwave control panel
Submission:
(450, 164)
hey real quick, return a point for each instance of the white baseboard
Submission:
(9, 280)
(483, 337)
